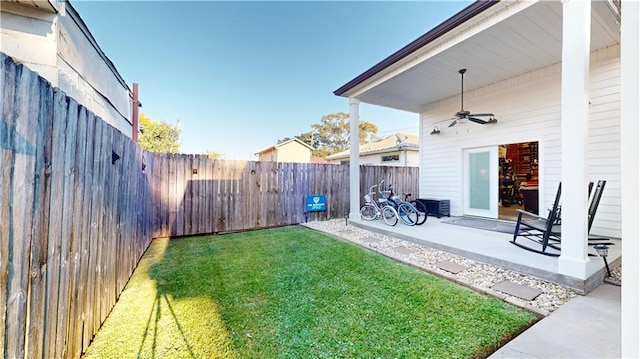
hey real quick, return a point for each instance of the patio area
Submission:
(493, 247)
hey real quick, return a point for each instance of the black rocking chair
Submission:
(545, 232)
(540, 230)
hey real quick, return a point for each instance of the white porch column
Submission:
(576, 31)
(354, 159)
(630, 133)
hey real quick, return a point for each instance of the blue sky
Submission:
(239, 75)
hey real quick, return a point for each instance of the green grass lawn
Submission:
(295, 293)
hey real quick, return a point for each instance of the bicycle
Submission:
(408, 214)
(373, 209)
(419, 206)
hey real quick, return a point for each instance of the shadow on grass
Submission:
(156, 308)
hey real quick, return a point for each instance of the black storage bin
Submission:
(436, 207)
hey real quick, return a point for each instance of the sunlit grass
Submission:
(295, 293)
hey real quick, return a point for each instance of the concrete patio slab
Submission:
(495, 248)
(585, 327)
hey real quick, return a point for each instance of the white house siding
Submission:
(59, 48)
(85, 75)
(528, 109)
(28, 35)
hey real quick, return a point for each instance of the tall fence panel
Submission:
(80, 202)
(75, 217)
(403, 179)
(197, 195)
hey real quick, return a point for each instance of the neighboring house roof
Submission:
(284, 143)
(316, 159)
(392, 143)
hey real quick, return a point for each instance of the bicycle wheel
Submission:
(368, 212)
(408, 214)
(389, 215)
(422, 211)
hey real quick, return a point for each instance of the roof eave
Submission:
(376, 152)
(459, 18)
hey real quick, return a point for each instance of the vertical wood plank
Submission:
(76, 288)
(81, 335)
(215, 195)
(8, 68)
(172, 203)
(55, 221)
(201, 194)
(21, 210)
(67, 225)
(187, 194)
(180, 195)
(207, 197)
(161, 167)
(40, 226)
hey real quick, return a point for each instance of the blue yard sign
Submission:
(316, 203)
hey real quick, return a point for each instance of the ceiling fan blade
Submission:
(481, 114)
(453, 123)
(477, 120)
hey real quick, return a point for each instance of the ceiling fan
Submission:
(466, 115)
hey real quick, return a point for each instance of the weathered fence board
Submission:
(22, 193)
(7, 78)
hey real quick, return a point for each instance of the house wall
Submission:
(268, 156)
(59, 47)
(29, 36)
(84, 74)
(528, 108)
(406, 159)
(293, 152)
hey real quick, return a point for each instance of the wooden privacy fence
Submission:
(73, 224)
(80, 203)
(195, 195)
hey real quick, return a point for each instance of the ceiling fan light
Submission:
(492, 120)
(436, 131)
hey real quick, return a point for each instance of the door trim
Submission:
(492, 173)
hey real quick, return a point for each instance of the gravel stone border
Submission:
(478, 276)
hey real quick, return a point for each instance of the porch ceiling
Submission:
(525, 41)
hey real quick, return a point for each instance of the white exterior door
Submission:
(481, 182)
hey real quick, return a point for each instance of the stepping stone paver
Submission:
(371, 240)
(517, 290)
(403, 250)
(452, 267)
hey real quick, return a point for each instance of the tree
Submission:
(160, 136)
(215, 155)
(333, 133)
